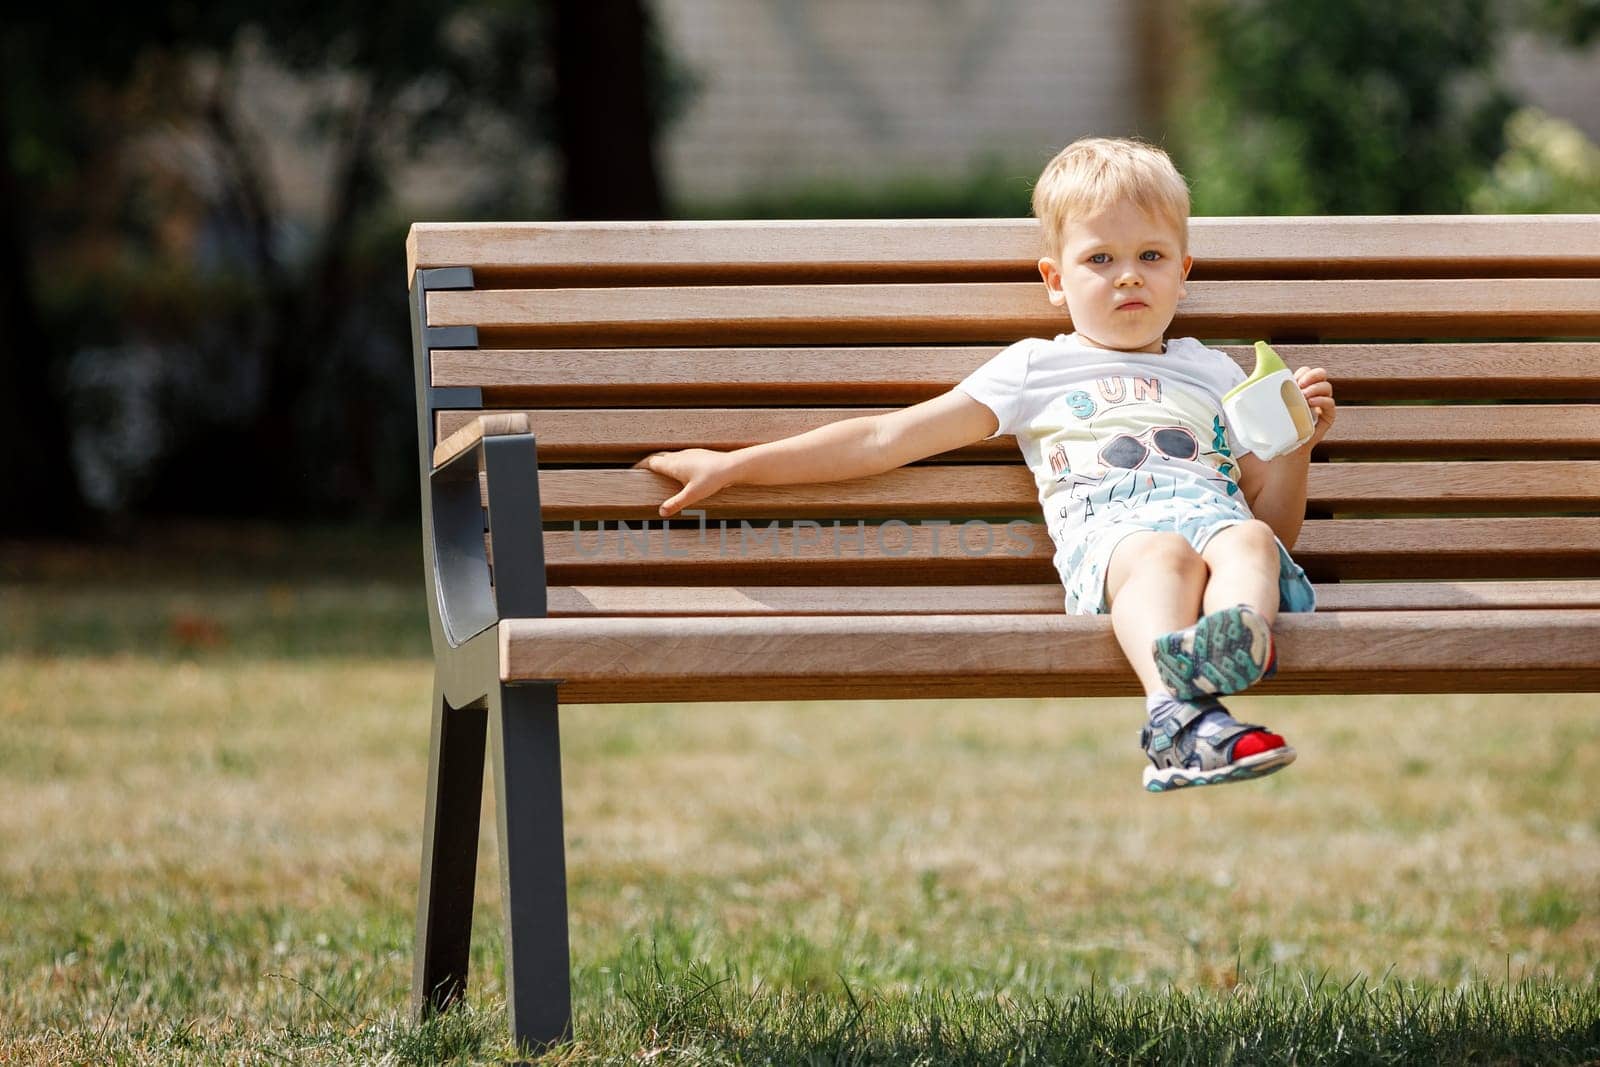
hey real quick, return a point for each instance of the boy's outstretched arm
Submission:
(1276, 489)
(849, 448)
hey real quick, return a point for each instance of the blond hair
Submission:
(1092, 173)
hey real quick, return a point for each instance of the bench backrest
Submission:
(1464, 351)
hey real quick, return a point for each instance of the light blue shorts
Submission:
(1083, 572)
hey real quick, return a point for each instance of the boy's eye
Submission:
(1150, 255)
(1100, 257)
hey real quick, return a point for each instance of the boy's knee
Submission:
(1253, 538)
(1172, 553)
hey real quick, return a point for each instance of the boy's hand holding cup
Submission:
(1318, 391)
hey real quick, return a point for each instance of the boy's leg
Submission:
(1231, 647)
(1244, 569)
(1154, 583)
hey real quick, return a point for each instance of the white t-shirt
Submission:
(1108, 434)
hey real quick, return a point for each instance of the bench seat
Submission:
(608, 659)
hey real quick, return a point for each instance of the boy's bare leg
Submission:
(1244, 569)
(1154, 583)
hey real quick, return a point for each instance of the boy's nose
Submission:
(1129, 278)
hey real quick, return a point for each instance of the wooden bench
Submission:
(1453, 514)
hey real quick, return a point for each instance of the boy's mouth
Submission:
(1132, 305)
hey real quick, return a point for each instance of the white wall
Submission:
(801, 89)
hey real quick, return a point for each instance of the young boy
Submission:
(1157, 514)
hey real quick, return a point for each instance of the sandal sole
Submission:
(1216, 656)
(1258, 766)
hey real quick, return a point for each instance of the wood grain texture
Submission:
(698, 377)
(1539, 431)
(952, 491)
(1037, 599)
(1002, 311)
(901, 553)
(468, 434)
(871, 656)
(1328, 246)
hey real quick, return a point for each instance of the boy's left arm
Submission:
(1276, 489)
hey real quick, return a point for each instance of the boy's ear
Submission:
(1188, 262)
(1050, 271)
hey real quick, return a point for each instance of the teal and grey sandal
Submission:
(1196, 743)
(1225, 652)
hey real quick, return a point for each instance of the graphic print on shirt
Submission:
(1127, 441)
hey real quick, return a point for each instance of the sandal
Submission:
(1227, 651)
(1193, 744)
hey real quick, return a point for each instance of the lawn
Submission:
(213, 756)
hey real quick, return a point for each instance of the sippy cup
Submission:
(1267, 411)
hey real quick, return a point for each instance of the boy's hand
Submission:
(1318, 391)
(703, 471)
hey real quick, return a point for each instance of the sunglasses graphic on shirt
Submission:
(1127, 452)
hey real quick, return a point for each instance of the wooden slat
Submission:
(978, 311)
(963, 491)
(974, 553)
(1511, 431)
(861, 656)
(588, 601)
(600, 377)
(1333, 246)
(1568, 431)
(1417, 488)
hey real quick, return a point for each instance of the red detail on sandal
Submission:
(1252, 743)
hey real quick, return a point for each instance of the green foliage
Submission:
(1343, 106)
(1575, 21)
(1548, 166)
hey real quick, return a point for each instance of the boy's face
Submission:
(1120, 277)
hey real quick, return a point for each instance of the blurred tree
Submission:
(39, 486)
(1549, 166)
(605, 115)
(51, 56)
(1343, 106)
(1575, 21)
(192, 251)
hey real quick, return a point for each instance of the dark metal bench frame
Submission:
(470, 701)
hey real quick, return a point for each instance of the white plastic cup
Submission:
(1267, 413)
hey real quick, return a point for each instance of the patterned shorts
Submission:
(1083, 570)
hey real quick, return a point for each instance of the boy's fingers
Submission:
(686, 495)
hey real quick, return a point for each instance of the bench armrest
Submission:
(501, 446)
(475, 431)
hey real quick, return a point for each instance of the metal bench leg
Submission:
(449, 854)
(526, 743)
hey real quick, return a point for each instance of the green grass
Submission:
(209, 850)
